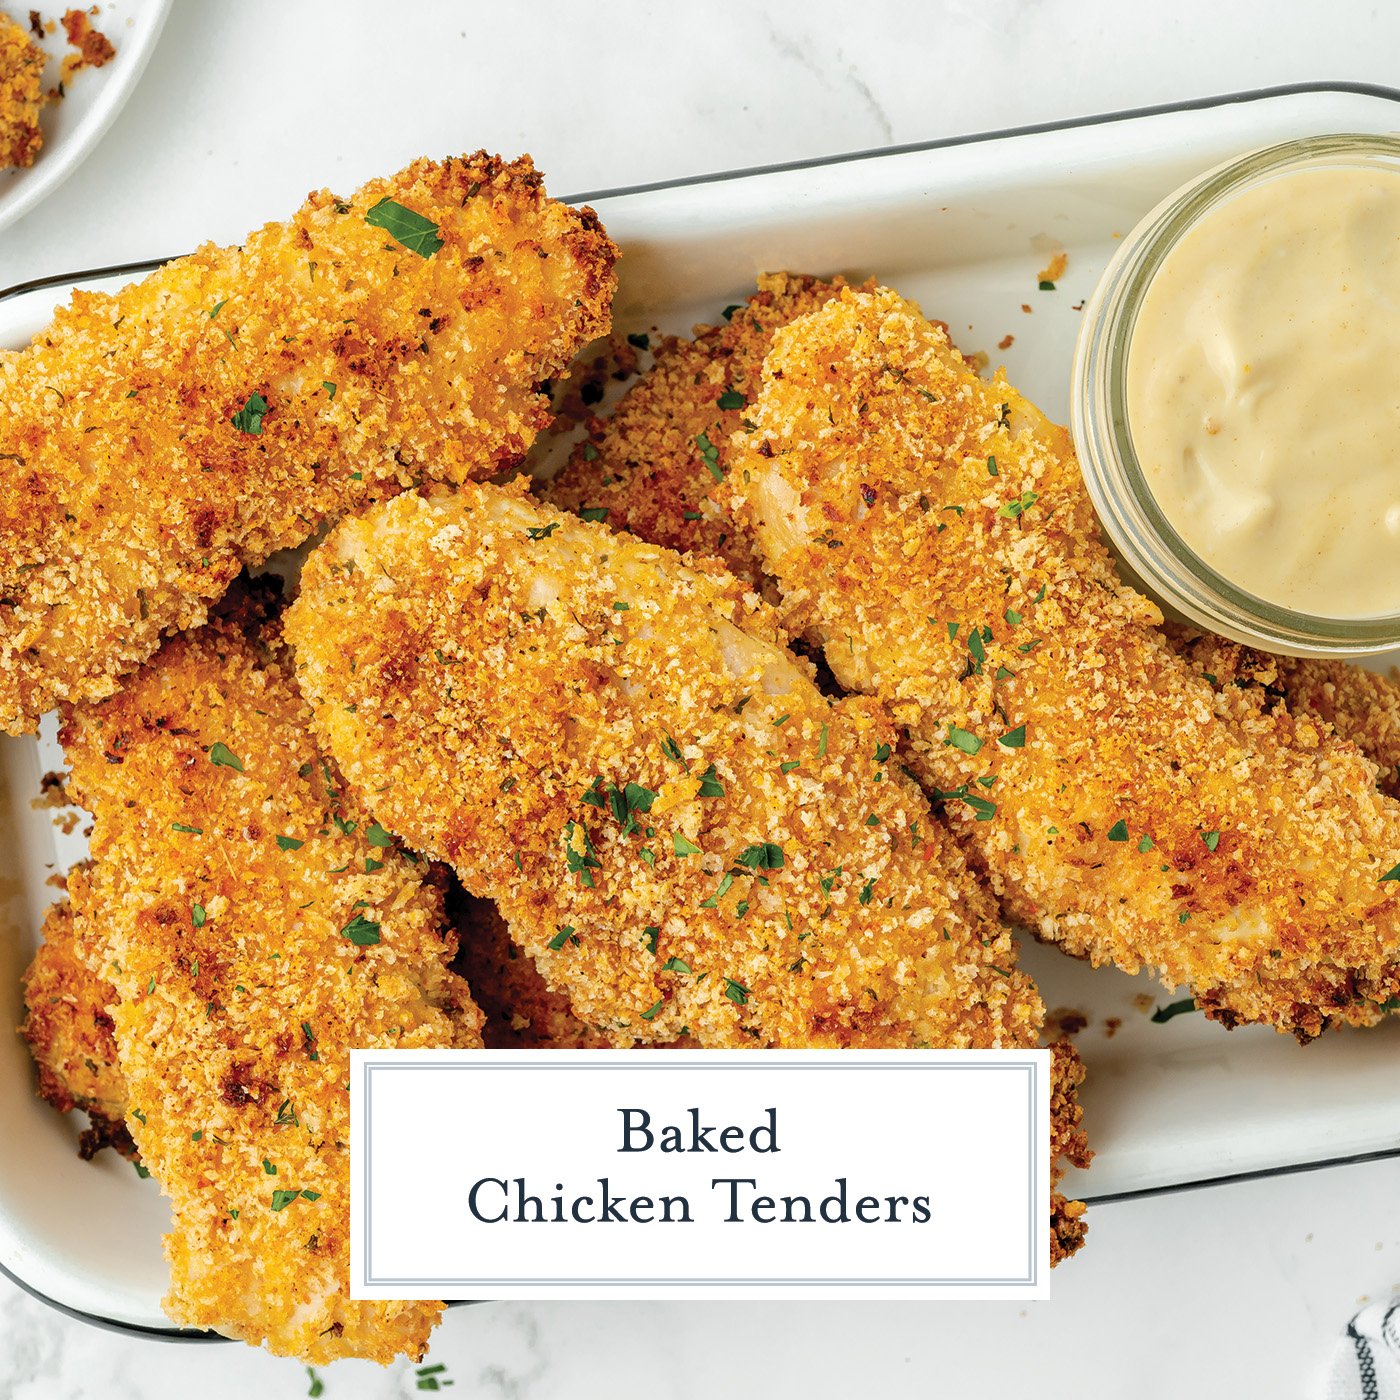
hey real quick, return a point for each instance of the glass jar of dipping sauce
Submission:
(1236, 399)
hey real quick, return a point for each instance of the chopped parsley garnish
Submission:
(410, 230)
(282, 1199)
(286, 1116)
(725, 885)
(1018, 507)
(193, 830)
(595, 514)
(821, 746)
(1392, 874)
(1046, 286)
(580, 859)
(269, 1167)
(362, 932)
(377, 836)
(1118, 831)
(1013, 617)
(1014, 738)
(1211, 838)
(142, 1172)
(763, 856)
(641, 341)
(730, 399)
(542, 532)
(710, 785)
(882, 752)
(672, 750)
(675, 965)
(218, 307)
(709, 453)
(198, 916)
(1145, 844)
(992, 466)
(868, 889)
(795, 763)
(249, 418)
(317, 1388)
(329, 388)
(652, 1010)
(561, 938)
(289, 843)
(221, 757)
(982, 809)
(729, 311)
(1177, 1008)
(649, 936)
(683, 845)
(957, 738)
(736, 991)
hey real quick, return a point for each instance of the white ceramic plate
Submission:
(74, 125)
(964, 227)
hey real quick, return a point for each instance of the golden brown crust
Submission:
(135, 478)
(1359, 705)
(21, 95)
(913, 514)
(68, 1025)
(504, 692)
(653, 463)
(245, 967)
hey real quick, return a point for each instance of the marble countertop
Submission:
(242, 110)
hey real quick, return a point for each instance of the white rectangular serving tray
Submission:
(964, 227)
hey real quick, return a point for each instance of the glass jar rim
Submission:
(1135, 521)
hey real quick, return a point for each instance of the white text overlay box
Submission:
(700, 1174)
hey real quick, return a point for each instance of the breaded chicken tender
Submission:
(1359, 705)
(932, 531)
(21, 95)
(651, 466)
(69, 1030)
(680, 830)
(255, 924)
(157, 440)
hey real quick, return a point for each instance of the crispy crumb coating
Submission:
(255, 927)
(520, 1010)
(1068, 1147)
(70, 1033)
(932, 531)
(1360, 705)
(139, 471)
(21, 95)
(595, 736)
(645, 464)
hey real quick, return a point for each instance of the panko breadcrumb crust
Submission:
(69, 1029)
(1359, 705)
(157, 440)
(255, 926)
(653, 463)
(932, 530)
(681, 831)
(21, 95)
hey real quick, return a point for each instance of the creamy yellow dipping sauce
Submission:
(1263, 390)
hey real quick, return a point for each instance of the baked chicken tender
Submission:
(652, 465)
(255, 925)
(21, 95)
(69, 1029)
(679, 829)
(932, 531)
(156, 441)
(1359, 705)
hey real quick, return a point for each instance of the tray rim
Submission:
(174, 1333)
